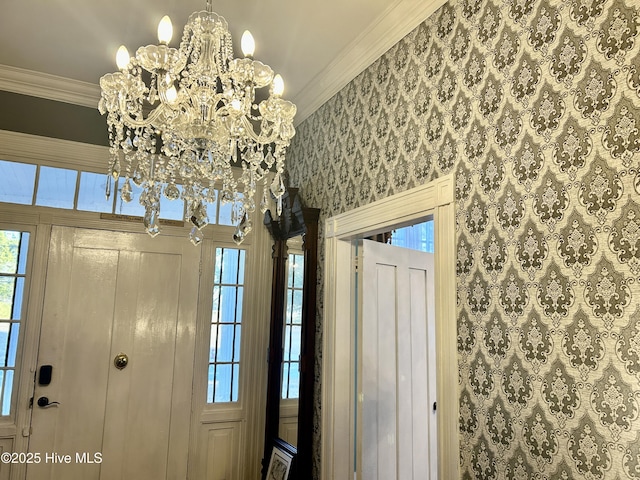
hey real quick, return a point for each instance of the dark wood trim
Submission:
(274, 375)
(304, 462)
(295, 220)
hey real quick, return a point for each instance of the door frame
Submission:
(436, 198)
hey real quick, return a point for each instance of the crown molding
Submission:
(51, 87)
(400, 19)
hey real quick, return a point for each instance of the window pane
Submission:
(236, 345)
(296, 335)
(227, 313)
(287, 343)
(225, 211)
(241, 261)
(296, 271)
(296, 311)
(24, 246)
(16, 309)
(294, 380)
(133, 207)
(8, 390)
(217, 273)
(9, 249)
(230, 266)
(56, 187)
(4, 342)
(7, 285)
(224, 214)
(18, 182)
(13, 345)
(239, 305)
(211, 383)
(213, 343)
(225, 343)
(285, 380)
(2, 374)
(172, 209)
(215, 308)
(236, 382)
(222, 387)
(91, 195)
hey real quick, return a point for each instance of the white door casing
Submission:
(436, 199)
(109, 293)
(397, 425)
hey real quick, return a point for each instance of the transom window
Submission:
(226, 325)
(416, 237)
(45, 186)
(14, 247)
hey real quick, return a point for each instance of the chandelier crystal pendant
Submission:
(180, 119)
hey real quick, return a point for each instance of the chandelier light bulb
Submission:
(278, 85)
(248, 44)
(172, 94)
(122, 58)
(165, 30)
(236, 105)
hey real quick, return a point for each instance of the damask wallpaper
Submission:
(535, 105)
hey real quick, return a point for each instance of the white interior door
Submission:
(397, 426)
(107, 294)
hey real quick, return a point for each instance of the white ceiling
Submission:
(59, 49)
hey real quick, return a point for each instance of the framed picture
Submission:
(282, 456)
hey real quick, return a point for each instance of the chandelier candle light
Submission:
(180, 119)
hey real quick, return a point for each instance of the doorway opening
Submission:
(340, 359)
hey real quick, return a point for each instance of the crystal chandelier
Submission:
(180, 119)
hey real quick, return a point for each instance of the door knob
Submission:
(121, 361)
(43, 402)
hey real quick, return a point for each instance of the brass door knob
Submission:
(121, 361)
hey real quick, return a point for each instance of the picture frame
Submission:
(282, 456)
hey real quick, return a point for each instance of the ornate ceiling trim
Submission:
(400, 19)
(51, 87)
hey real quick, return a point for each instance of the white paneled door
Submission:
(397, 423)
(112, 294)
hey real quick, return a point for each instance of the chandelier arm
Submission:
(258, 137)
(145, 122)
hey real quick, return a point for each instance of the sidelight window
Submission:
(226, 325)
(14, 247)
